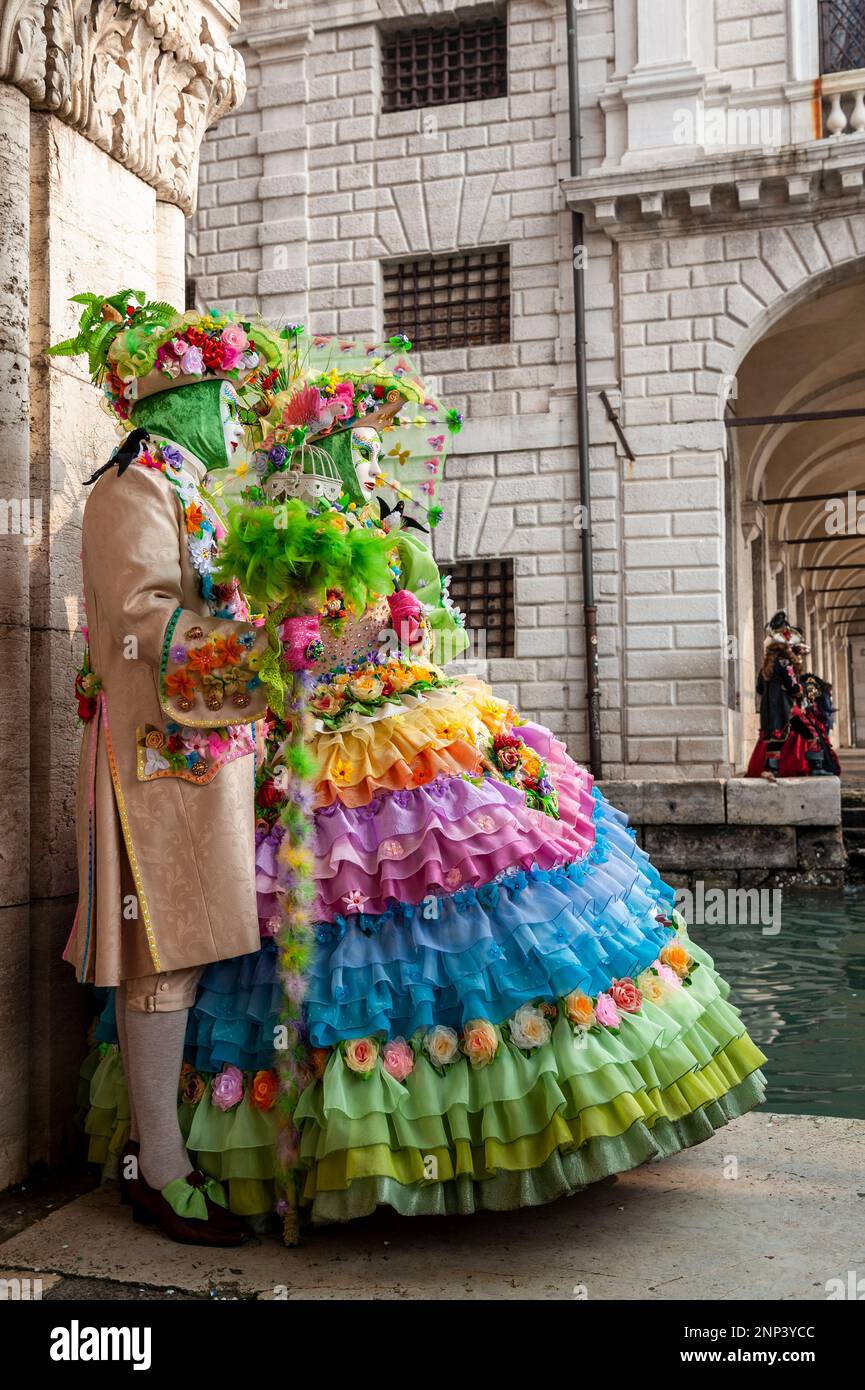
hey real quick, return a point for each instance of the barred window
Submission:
(842, 35)
(461, 300)
(484, 592)
(436, 66)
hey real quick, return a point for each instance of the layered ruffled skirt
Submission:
(502, 1007)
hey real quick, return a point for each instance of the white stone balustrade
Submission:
(843, 96)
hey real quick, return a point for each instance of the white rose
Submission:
(442, 1045)
(529, 1028)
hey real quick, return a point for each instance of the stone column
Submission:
(170, 254)
(15, 541)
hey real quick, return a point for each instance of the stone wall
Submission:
(738, 833)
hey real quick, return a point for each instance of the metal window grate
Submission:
(484, 592)
(437, 66)
(461, 300)
(842, 35)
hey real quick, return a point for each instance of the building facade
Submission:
(404, 164)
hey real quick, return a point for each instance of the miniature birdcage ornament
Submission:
(310, 472)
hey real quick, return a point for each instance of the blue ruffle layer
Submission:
(485, 952)
(235, 1013)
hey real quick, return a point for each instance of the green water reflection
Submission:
(802, 995)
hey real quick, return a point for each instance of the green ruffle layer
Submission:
(527, 1128)
(561, 1175)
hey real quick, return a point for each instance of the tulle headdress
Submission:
(330, 386)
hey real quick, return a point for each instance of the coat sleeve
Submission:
(206, 668)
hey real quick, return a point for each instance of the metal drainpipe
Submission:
(590, 608)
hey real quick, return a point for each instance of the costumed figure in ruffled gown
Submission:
(794, 734)
(500, 1006)
(472, 991)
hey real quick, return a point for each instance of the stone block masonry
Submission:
(738, 833)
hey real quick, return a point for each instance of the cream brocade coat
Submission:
(166, 859)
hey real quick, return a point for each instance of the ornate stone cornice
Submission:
(142, 79)
(726, 189)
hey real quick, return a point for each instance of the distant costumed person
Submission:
(795, 710)
(471, 990)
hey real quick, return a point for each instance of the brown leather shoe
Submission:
(149, 1207)
(221, 1217)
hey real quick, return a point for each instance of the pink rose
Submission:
(606, 1012)
(397, 1059)
(626, 996)
(667, 975)
(299, 639)
(405, 612)
(230, 358)
(226, 1089)
(233, 336)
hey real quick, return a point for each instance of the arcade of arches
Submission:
(789, 480)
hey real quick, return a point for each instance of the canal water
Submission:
(802, 996)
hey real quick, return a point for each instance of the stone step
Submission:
(852, 816)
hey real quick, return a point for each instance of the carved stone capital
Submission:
(142, 79)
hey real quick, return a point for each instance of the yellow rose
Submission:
(652, 987)
(399, 679)
(366, 687)
(677, 958)
(579, 1008)
(480, 1042)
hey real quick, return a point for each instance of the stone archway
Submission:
(694, 306)
(797, 474)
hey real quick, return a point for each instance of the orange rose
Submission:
(480, 1042)
(579, 1009)
(318, 1060)
(265, 1088)
(677, 958)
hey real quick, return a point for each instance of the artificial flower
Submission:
(355, 901)
(528, 1027)
(481, 1040)
(677, 958)
(192, 1085)
(361, 1055)
(264, 1090)
(653, 989)
(606, 1012)
(226, 1089)
(626, 996)
(397, 1059)
(441, 1044)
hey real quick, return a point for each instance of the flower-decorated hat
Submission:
(136, 347)
(331, 388)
